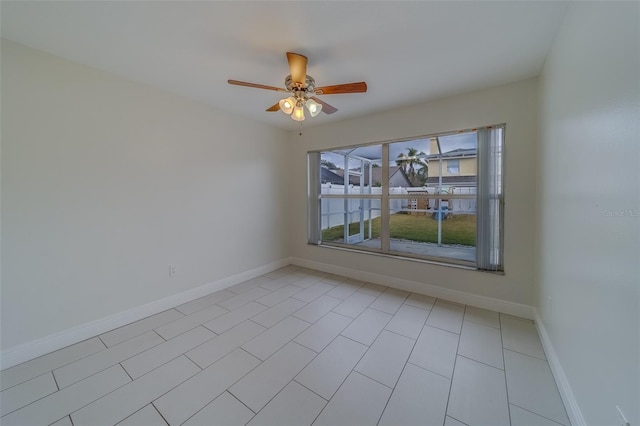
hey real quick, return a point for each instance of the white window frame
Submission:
(490, 199)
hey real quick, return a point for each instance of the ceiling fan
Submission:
(302, 88)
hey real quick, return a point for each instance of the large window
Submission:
(437, 197)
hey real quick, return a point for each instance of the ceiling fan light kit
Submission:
(287, 104)
(301, 89)
(313, 107)
(298, 112)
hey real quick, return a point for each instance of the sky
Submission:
(447, 143)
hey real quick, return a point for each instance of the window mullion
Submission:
(384, 203)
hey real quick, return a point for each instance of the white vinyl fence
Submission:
(332, 209)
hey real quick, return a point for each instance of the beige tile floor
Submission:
(295, 347)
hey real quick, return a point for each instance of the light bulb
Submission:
(313, 107)
(298, 113)
(287, 104)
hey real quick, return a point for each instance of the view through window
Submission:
(436, 197)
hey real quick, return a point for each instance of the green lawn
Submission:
(458, 229)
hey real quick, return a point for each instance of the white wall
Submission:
(513, 104)
(588, 172)
(105, 182)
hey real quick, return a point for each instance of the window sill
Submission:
(433, 261)
(405, 258)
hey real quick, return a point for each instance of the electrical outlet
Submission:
(173, 270)
(622, 420)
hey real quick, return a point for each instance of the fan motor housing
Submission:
(309, 85)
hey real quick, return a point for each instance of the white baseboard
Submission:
(53, 342)
(498, 305)
(569, 400)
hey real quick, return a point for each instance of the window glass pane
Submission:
(356, 213)
(453, 167)
(362, 165)
(433, 233)
(453, 163)
(408, 164)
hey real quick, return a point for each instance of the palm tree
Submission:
(410, 161)
(422, 175)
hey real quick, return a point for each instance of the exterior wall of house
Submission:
(468, 167)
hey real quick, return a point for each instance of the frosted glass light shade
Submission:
(287, 105)
(298, 113)
(313, 107)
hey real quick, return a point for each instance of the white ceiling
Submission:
(407, 52)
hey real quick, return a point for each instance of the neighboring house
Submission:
(327, 176)
(397, 177)
(459, 167)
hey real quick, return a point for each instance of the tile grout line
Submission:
(352, 370)
(226, 311)
(125, 370)
(140, 334)
(205, 342)
(479, 362)
(102, 341)
(480, 323)
(228, 387)
(236, 398)
(150, 402)
(277, 393)
(238, 347)
(120, 387)
(108, 393)
(310, 361)
(504, 366)
(353, 340)
(207, 306)
(32, 402)
(402, 335)
(537, 414)
(208, 403)
(123, 360)
(455, 361)
(446, 415)
(430, 371)
(415, 341)
(443, 329)
(135, 412)
(58, 367)
(301, 384)
(158, 411)
(166, 340)
(522, 353)
(54, 380)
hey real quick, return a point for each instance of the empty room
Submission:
(320, 213)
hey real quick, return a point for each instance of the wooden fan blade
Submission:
(298, 67)
(257, 86)
(273, 108)
(326, 108)
(359, 87)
